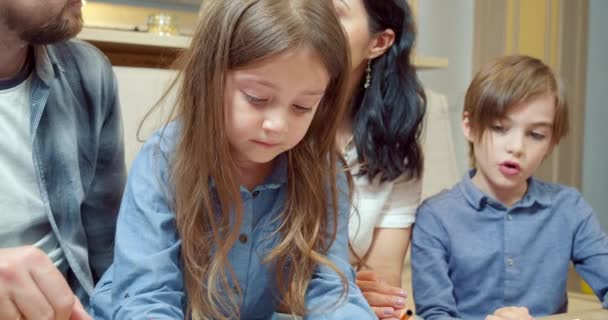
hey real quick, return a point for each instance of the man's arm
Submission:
(101, 204)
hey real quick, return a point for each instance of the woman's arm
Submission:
(387, 253)
(380, 279)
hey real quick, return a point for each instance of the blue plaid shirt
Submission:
(146, 279)
(471, 255)
(77, 145)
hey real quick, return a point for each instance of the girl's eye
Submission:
(254, 100)
(302, 109)
(537, 136)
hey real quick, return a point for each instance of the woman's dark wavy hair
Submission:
(387, 116)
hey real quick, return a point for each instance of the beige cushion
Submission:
(440, 166)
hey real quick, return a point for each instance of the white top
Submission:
(391, 204)
(22, 211)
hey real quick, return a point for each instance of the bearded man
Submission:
(62, 168)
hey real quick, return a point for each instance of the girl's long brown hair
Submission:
(232, 34)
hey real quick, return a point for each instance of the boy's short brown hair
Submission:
(506, 82)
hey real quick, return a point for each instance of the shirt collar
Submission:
(278, 175)
(276, 178)
(44, 65)
(477, 198)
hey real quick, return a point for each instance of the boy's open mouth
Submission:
(510, 168)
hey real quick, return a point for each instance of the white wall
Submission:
(139, 90)
(595, 154)
(446, 29)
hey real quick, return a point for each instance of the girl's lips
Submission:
(265, 144)
(510, 168)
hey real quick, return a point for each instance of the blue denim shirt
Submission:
(146, 280)
(471, 255)
(78, 155)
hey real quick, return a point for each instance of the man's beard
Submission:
(62, 26)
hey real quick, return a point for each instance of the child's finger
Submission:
(513, 313)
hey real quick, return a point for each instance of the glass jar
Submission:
(163, 24)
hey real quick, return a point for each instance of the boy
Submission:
(501, 238)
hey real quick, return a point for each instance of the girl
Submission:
(235, 203)
(379, 136)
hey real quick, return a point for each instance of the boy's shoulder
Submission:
(556, 195)
(452, 198)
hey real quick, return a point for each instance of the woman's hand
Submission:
(387, 301)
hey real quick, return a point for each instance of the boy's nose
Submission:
(515, 145)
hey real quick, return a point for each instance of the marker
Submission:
(406, 315)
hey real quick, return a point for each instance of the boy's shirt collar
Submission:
(478, 199)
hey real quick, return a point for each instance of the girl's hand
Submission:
(387, 301)
(511, 313)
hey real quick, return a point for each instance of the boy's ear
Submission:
(466, 127)
(381, 42)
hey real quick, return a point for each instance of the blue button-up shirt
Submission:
(146, 279)
(77, 148)
(471, 255)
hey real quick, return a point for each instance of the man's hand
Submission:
(386, 301)
(31, 287)
(511, 313)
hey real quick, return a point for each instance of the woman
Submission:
(379, 137)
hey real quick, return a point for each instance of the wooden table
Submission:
(585, 315)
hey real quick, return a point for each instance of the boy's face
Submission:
(511, 149)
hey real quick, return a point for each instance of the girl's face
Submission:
(271, 103)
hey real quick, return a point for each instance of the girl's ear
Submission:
(466, 127)
(380, 43)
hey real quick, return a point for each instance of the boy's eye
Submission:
(537, 136)
(254, 100)
(301, 109)
(498, 128)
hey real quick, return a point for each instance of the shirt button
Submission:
(510, 262)
(255, 193)
(243, 238)
(509, 217)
